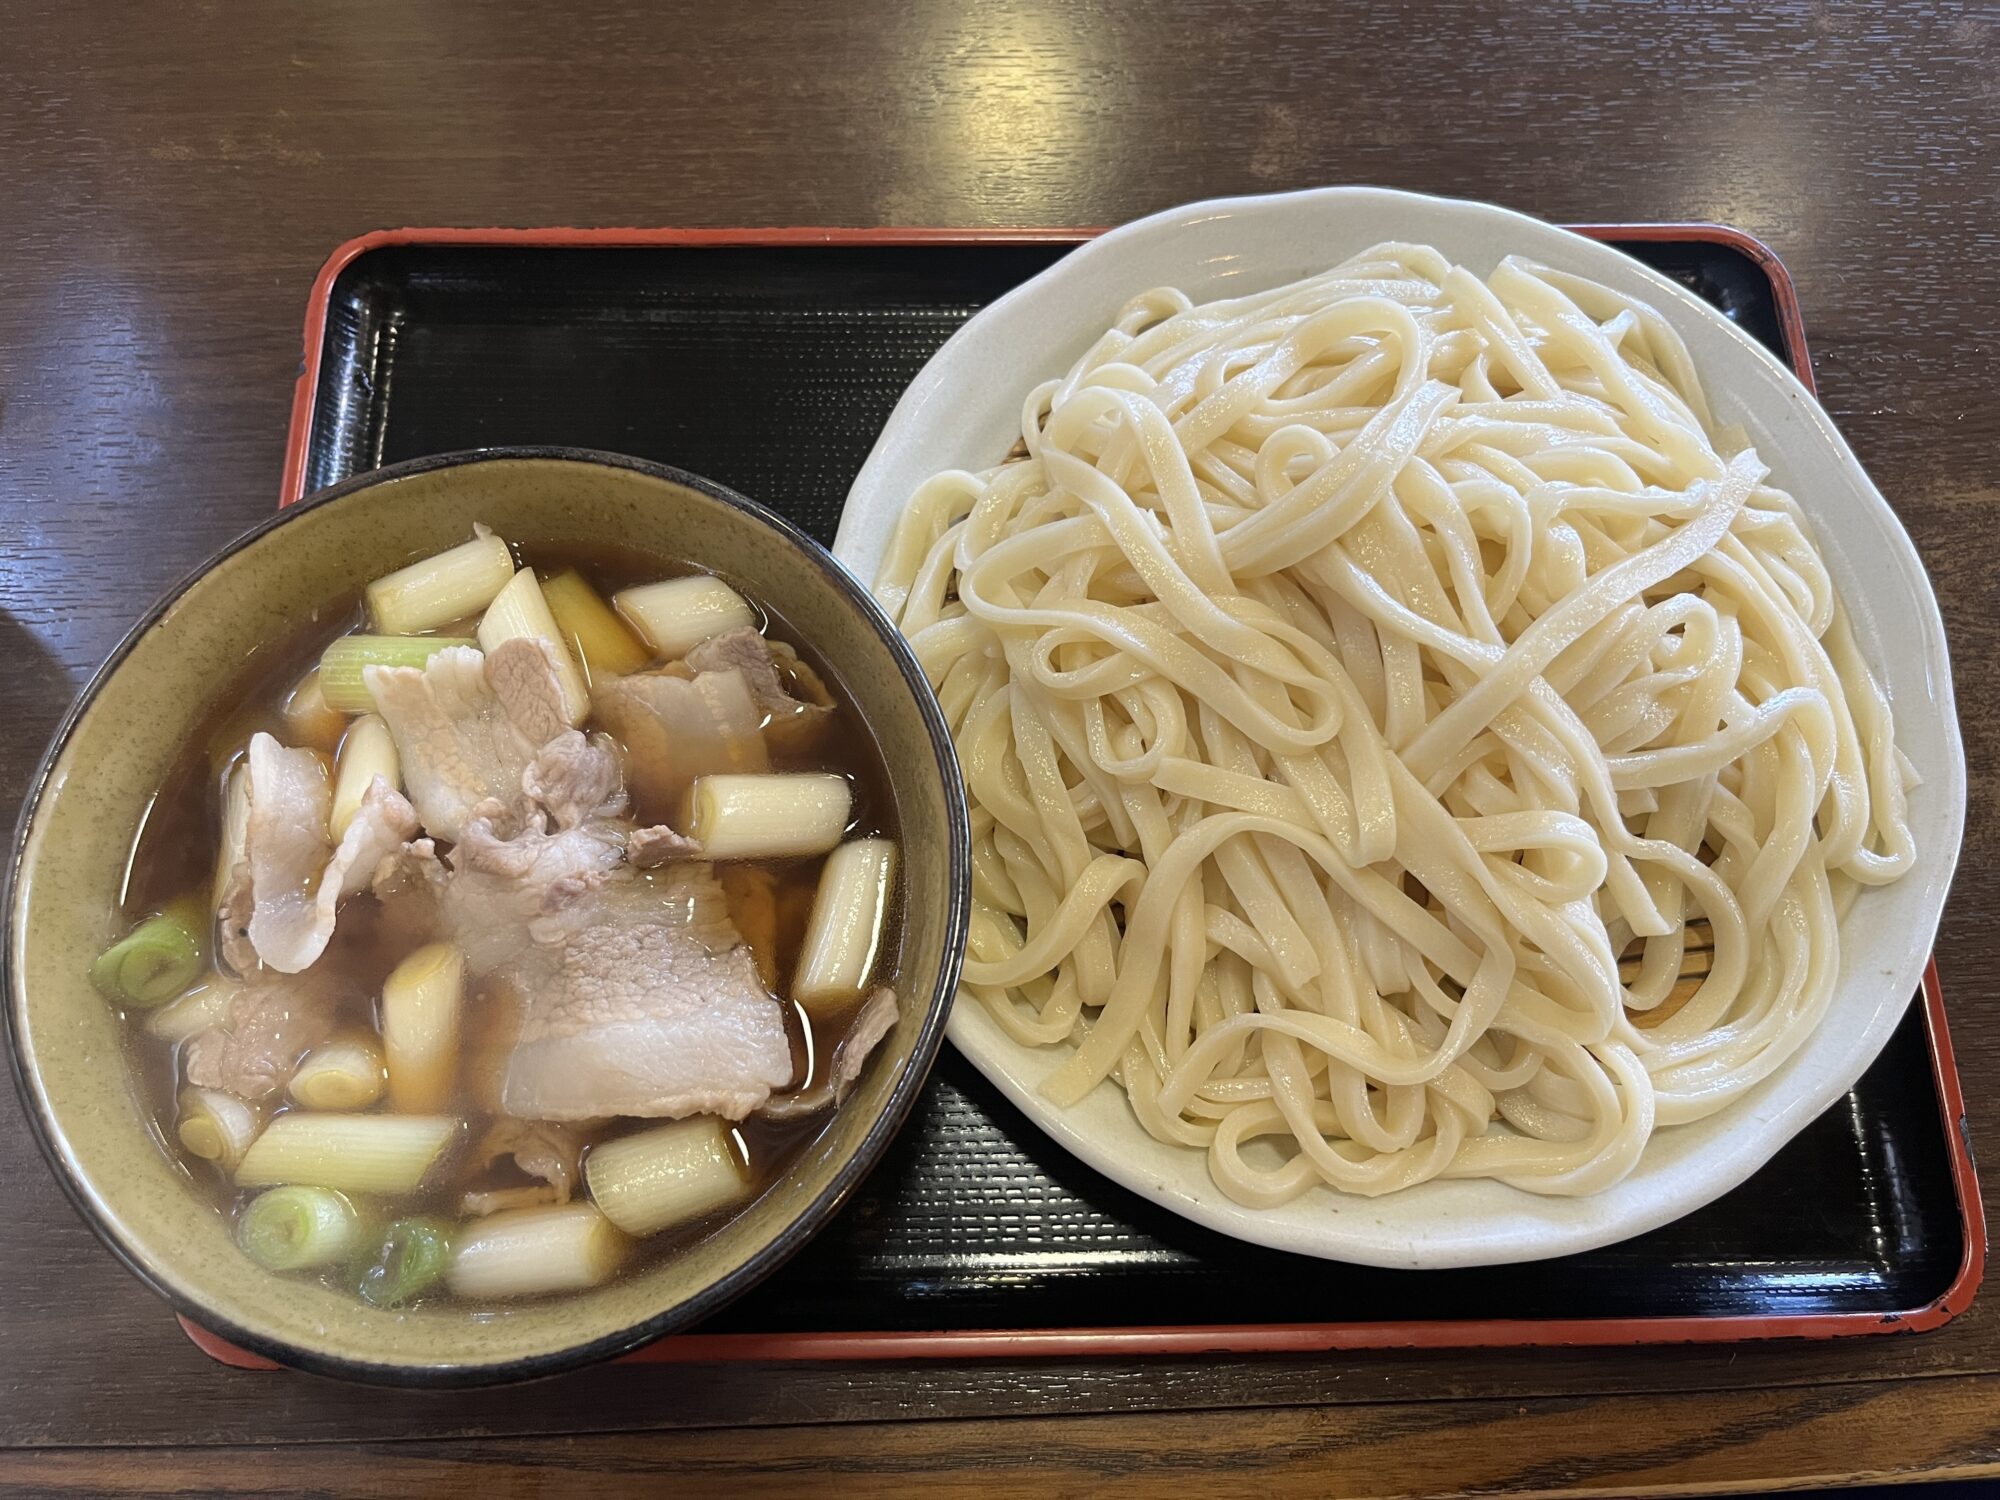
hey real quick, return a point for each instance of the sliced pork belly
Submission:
(504, 894)
(469, 726)
(294, 877)
(676, 726)
(637, 994)
(547, 1152)
(790, 723)
(273, 1021)
(285, 847)
(577, 780)
(494, 894)
(379, 826)
(649, 1006)
(233, 908)
(647, 847)
(874, 1021)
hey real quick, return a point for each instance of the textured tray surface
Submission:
(771, 369)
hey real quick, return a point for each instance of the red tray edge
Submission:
(1210, 1338)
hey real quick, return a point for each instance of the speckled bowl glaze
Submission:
(118, 742)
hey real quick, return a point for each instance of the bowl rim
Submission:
(846, 1178)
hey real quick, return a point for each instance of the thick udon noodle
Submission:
(1347, 678)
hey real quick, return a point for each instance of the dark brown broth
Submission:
(175, 852)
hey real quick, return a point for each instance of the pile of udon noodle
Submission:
(1374, 694)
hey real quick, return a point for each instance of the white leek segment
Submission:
(667, 1175)
(526, 1251)
(519, 609)
(366, 751)
(421, 1001)
(344, 663)
(309, 720)
(387, 1154)
(449, 586)
(774, 816)
(681, 613)
(345, 1073)
(217, 1127)
(845, 930)
(195, 1012)
(603, 643)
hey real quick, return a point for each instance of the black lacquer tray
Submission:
(768, 360)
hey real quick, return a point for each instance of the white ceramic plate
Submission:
(961, 412)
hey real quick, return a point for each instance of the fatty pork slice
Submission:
(549, 1153)
(677, 725)
(294, 876)
(648, 1005)
(647, 847)
(791, 724)
(503, 887)
(637, 995)
(576, 780)
(504, 893)
(876, 1018)
(272, 1022)
(469, 725)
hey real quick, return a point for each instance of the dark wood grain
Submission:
(1689, 1444)
(170, 178)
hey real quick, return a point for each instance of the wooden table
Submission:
(170, 178)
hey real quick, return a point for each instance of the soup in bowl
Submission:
(487, 918)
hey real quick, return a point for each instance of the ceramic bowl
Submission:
(963, 412)
(125, 731)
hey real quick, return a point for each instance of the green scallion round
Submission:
(155, 961)
(410, 1260)
(295, 1228)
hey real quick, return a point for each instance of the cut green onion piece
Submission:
(156, 960)
(292, 1228)
(846, 926)
(776, 816)
(410, 1260)
(603, 643)
(206, 1005)
(217, 1127)
(679, 614)
(386, 1154)
(455, 583)
(367, 750)
(340, 665)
